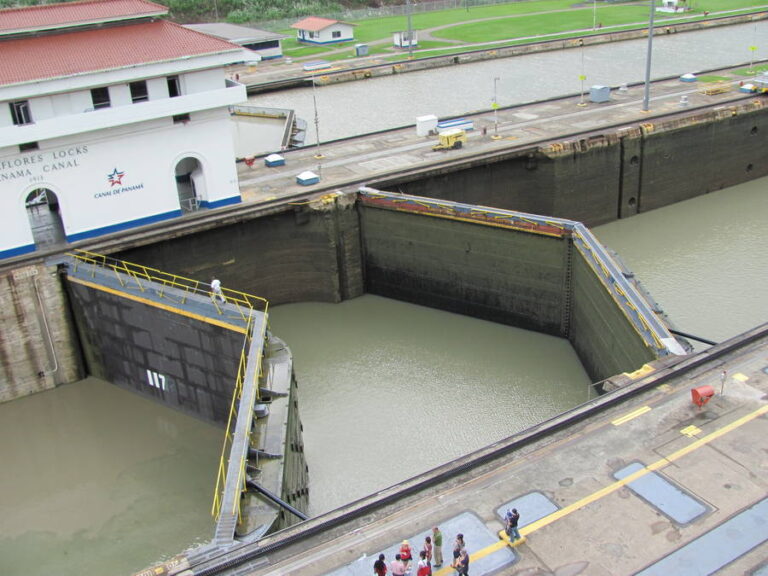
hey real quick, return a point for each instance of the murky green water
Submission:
(389, 390)
(704, 260)
(99, 481)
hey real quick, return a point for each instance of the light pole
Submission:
(647, 90)
(594, 15)
(319, 154)
(582, 76)
(495, 107)
(410, 30)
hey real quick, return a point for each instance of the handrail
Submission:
(642, 319)
(243, 302)
(241, 478)
(221, 476)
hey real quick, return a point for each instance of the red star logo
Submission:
(116, 178)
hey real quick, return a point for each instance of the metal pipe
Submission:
(692, 337)
(276, 499)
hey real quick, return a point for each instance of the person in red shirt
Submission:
(424, 568)
(405, 554)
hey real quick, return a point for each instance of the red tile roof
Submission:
(315, 24)
(66, 54)
(75, 13)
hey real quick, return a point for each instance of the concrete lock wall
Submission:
(481, 271)
(295, 254)
(180, 361)
(598, 178)
(38, 348)
(601, 335)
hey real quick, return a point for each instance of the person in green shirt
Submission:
(437, 541)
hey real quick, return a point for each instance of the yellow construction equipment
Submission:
(451, 139)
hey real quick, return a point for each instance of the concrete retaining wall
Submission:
(299, 254)
(599, 178)
(38, 349)
(180, 361)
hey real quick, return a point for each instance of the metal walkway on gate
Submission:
(240, 312)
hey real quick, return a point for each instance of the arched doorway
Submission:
(44, 218)
(189, 184)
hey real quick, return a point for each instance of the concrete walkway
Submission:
(364, 159)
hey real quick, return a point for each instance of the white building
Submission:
(262, 43)
(315, 30)
(110, 118)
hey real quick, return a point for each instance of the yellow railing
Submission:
(245, 304)
(221, 476)
(126, 271)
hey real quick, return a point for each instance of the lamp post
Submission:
(495, 107)
(410, 30)
(647, 90)
(319, 154)
(582, 76)
(594, 15)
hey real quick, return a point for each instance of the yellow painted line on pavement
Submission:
(611, 488)
(691, 431)
(630, 416)
(740, 377)
(159, 305)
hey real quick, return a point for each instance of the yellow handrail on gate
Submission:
(242, 302)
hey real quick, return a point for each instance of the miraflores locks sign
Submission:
(38, 166)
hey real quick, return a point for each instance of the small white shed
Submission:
(316, 30)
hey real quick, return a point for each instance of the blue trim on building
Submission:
(219, 203)
(123, 226)
(270, 57)
(18, 251)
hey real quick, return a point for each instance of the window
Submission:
(181, 119)
(336, 34)
(28, 146)
(174, 87)
(139, 91)
(100, 98)
(20, 112)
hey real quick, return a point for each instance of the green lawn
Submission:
(509, 22)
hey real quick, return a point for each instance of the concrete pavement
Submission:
(364, 159)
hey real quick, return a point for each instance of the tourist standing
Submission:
(397, 567)
(406, 554)
(380, 566)
(428, 549)
(437, 541)
(462, 564)
(424, 568)
(216, 290)
(458, 546)
(513, 517)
